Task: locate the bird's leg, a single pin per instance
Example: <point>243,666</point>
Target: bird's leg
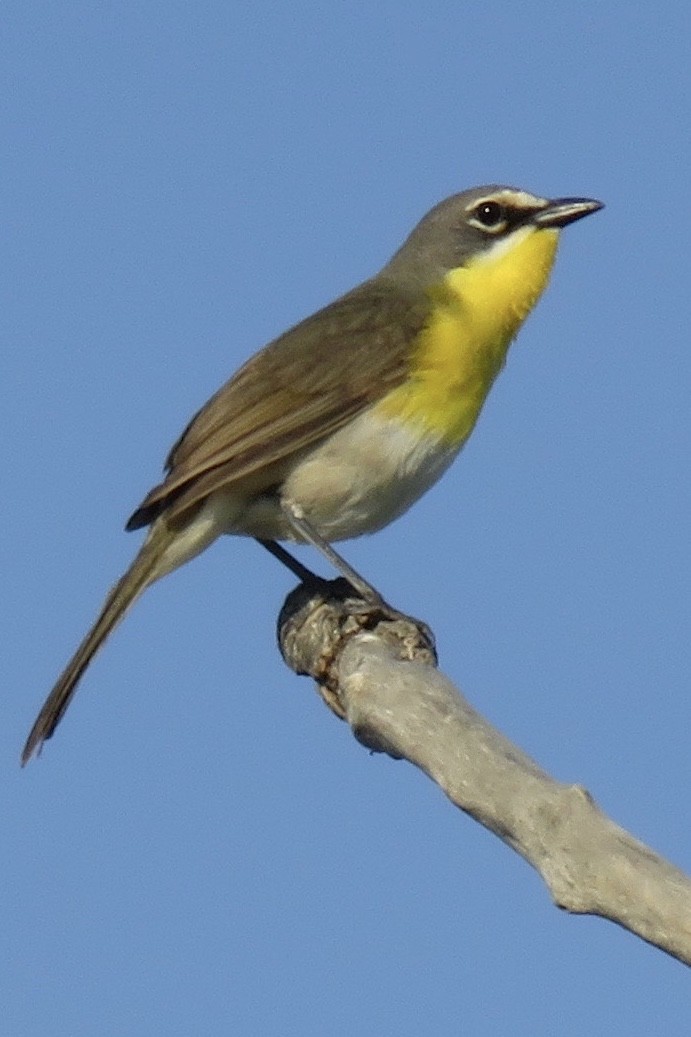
<point>308,533</point>
<point>290,562</point>
<point>374,600</point>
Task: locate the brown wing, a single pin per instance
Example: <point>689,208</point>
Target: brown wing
<point>300,388</point>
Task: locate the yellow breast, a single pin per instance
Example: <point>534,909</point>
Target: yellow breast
<point>477,311</point>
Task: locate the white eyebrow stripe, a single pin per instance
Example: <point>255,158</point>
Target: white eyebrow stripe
<point>521,199</point>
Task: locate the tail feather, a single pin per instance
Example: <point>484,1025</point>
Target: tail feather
<point>145,569</point>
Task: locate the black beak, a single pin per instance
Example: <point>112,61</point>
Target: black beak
<point>562,211</point>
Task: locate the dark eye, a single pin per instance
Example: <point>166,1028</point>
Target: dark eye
<point>489,214</point>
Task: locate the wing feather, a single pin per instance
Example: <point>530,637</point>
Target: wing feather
<point>299,389</point>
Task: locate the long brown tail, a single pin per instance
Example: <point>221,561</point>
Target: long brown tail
<point>144,570</point>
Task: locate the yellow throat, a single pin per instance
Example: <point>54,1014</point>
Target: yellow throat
<point>477,310</point>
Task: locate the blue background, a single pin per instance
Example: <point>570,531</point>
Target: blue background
<point>203,848</point>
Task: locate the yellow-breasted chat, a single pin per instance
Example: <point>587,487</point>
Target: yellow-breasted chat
<point>337,426</point>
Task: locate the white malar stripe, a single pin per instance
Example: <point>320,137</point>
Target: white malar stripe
<point>503,245</point>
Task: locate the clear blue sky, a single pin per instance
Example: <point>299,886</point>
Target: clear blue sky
<point>203,848</point>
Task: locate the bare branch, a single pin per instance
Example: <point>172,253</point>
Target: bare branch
<point>377,671</point>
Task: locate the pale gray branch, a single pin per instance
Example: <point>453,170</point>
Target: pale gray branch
<point>378,673</point>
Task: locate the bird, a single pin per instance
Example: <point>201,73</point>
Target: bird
<point>339,425</point>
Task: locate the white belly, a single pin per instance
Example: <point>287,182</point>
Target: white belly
<point>362,478</point>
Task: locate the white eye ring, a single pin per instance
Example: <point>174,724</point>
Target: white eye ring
<point>489,216</point>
